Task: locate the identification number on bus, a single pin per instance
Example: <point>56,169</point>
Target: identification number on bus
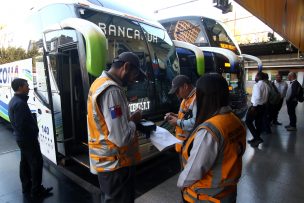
<point>142,105</point>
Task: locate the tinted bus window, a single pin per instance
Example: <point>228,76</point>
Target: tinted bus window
<point>55,39</point>
<point>124,35</point>
<point>187,62</point>
<point>164,63</point>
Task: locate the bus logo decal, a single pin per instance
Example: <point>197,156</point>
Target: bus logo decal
<point>120,31</point>
<point>7,74</point>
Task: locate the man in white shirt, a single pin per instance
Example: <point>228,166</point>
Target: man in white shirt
<point>255,112</point>
<point>282,88</point>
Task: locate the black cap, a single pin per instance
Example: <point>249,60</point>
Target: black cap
<point>128,57</point>
<point>132,59</point>
<point>178,81</point>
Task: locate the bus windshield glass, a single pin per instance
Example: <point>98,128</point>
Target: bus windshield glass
<point>218,36</point>
<point>156,53</point>
<point>200,31</point>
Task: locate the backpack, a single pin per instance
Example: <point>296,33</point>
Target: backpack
<point>274,95</point>
<point>300,96</point>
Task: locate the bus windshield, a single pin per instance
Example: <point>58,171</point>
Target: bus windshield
<point>200,31</point>
<point>157,56</point>
<point>218,36</point>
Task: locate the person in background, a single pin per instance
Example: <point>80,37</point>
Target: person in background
<point>292,101</point>
<point>268,106</point>
<point>282,88</point>
<point>254,116</point>
<point>26,131</point>
<point>185,119</point>
<point>113,143</point>
<point>212,155</point>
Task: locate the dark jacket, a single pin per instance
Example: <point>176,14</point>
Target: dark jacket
<point>23,123</point>
<point>295,85</point>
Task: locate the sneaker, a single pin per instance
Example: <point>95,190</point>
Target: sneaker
<point>256,142</point>
<point>276,123</point>
<point>43,192</point>
<point>291,128</point>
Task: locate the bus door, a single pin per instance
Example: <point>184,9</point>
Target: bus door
<point>73,100</point>
<point>68,93</point>
<point>75,49</point>
<point>45,110</point>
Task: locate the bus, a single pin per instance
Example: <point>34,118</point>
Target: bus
<point>62,47</point>
<point>220,51</point>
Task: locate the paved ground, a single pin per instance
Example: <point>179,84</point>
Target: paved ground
<point>272,173</point>
<point>65,191</point>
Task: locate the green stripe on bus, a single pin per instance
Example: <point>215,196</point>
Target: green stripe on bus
<point>4,116</point>
<point>200,65</point>
<point>96,53</point>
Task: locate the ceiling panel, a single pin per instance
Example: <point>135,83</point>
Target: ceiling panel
<point>286,17</point>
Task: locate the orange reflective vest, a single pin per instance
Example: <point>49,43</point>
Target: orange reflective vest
<point>185,107</point>
<point>221,180</point>
<point>105,155</point>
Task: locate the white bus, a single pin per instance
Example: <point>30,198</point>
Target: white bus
<point>62,47</point>
<point>220,53</point>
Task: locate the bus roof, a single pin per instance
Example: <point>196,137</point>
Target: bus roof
<point>185,17</point>
<point>109,6</point>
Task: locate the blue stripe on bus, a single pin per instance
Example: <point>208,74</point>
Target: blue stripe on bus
<point>3,110</point>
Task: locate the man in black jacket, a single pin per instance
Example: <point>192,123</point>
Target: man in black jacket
<point>26,133</point>
<point>292,100</point>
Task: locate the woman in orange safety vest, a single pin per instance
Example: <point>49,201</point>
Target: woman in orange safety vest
<point>212,155</point>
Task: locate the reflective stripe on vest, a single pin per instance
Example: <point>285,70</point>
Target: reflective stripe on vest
<point>186,105</point>
<point>105,155</point>
<point>220,181</point>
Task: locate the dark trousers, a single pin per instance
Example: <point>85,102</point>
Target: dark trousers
<point>254,120</point>
<point>291,109</point>
<point>31,164</point>
<point>117,186</point>
<point>266,118</point>
<point>276,109</point>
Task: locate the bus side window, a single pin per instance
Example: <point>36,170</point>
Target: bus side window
<point>187,62</point>
<point>41,85</point>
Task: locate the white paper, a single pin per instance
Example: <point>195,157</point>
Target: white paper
<point>162,138</point>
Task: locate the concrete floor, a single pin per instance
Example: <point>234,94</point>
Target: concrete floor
<point>65,190</point>
<point>272,173</point>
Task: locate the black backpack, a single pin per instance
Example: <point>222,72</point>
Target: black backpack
<point>300,96</point>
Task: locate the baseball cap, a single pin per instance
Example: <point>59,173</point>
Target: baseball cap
<point>178,81</point>
<point>132,59</point>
